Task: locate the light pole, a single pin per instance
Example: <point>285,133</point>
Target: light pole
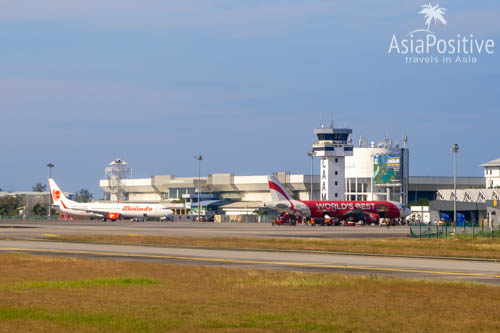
<point>311,154</point>
<point>454,151</point>
<point>50,166</point>
<point>199,158</point>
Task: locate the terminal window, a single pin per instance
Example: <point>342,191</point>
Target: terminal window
<point>172,193</point>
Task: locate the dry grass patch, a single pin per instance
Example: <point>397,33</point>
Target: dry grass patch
<point>195,298</point>
<point>453,247</point>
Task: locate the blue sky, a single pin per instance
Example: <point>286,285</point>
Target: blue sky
<point>241,82</point>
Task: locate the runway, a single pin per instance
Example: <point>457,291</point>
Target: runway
<point>33,229</point>
<point>25,236</point>
<point>443,269</point>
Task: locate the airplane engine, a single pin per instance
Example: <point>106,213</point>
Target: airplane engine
<point>113,216</point>
<point>372,218</point>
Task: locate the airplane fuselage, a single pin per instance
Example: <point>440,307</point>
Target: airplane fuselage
<point>118,209</point>
<point>338,209</point>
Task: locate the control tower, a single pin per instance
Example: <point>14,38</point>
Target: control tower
<point>332,146</point>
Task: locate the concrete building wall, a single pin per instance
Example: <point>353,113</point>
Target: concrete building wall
<point>144,197</point>
<point>359,173</point>
<point>246,188</point>
<point>472,210</point>
<point>492,175</point>
<point>255,188</point>
<point>360,164</point>
<point>256,196</point>
<point>332,181</point>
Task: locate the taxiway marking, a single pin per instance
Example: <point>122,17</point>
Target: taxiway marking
<point>223,260</point>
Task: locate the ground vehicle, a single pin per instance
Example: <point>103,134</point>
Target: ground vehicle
<point>286,219</point>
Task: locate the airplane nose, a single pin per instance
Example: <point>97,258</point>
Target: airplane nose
<point>405,212</point>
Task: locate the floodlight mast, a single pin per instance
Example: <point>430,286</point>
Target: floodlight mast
<point>199,158</point>
<point>50,166</point>
<point>454,151</point>
<point>311,154</point>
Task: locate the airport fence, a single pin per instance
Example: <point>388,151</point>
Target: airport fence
<point>34,218</point>
<point>470,230</point>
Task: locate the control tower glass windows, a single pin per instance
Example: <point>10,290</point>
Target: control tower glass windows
<point>333,137</point>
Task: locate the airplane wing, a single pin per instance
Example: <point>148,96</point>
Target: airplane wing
<point>91,211</point>
<point>82,210</point>
<point>361,215</point>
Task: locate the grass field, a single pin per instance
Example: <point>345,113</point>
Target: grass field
<point>456,247</point>
<point>52,294</point>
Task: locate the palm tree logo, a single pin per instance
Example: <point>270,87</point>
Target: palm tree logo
<point>432,13</point>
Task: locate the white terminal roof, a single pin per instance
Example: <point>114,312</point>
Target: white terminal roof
<point>492,163</point>
<point>25,193</point>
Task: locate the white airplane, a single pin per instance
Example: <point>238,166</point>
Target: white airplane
<point>107,211</point>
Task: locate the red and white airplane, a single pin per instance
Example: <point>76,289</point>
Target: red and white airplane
<point>367,211</point>
<point>107,211</point>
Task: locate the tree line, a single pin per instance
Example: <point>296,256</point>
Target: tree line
<point>11,204</point>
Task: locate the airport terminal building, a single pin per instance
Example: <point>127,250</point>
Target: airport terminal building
<point>169,188</point>
<point>375,171</point>
<point>476,202</point>
<point>378,171</point>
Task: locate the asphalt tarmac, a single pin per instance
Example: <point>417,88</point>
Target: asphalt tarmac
<point>32,229</point>
<point>444,269</point>
<point>25,237</point>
